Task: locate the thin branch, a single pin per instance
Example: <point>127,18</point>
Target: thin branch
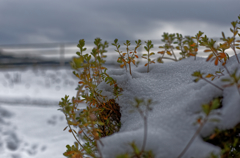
<point>212,84</point>
<point>192,139</point>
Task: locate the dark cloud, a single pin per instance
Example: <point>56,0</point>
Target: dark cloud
<point>28,21</point>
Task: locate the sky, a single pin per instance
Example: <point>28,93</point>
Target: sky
<point>27,21</point>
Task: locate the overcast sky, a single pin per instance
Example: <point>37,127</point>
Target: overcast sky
<point>50,21</point>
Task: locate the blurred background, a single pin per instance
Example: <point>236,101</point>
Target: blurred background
<point>39,38</point>
<point>47,32</point>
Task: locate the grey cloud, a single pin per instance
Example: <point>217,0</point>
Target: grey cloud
<point>68,21</point>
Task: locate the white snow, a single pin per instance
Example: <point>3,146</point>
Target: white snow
<point>30,124</point>
<point>170,123</point>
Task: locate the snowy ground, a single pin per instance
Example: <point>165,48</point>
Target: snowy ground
<point>34,127</point>
<point>30,124</point>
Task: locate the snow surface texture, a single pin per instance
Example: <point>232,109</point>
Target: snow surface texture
<point>30,124</point>
<point>36,86</point>
<point>32,132</point>
<point>170,123</point>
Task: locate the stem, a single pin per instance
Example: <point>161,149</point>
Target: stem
<point>227,70</point>
<point>212,84</point>
<point>129,62</point>
<point>86,135</point>
<point>121,57</point>
<point>99,152</point>
<point>195,51</point>
<point>173,54</point>
<point>145,133</point>
<point>215,53</point>
<point>73,133</point>
<point>96,138</point>
<point>192,139</point>
<point>235,52</point>
<point>148,61</point>
<point>238,90</point>
<point>145,129</point>
<point>233,47</point>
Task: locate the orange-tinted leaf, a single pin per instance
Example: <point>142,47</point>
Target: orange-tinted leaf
<point>152,61</point>
<point>216,61</point>
<point>169,53</point>
<point>194,44</point>
<point>130,52</point>
<point>136,56</point>
<point>207,50</point>
<point>222,55</point>
<point>69,130</point>
<point>69,153</point>
<point>124,54</point>
<point>209,75</point>
<point>80,82</point>
<point>191,54</point>
<point>78,101</point>
<point>199,120</point>
<point>213,136</point>
<point>146,64</point>
<point>161,52</point>
<point>209,57</point>
<point>196,49</point>
<point>122,65</point>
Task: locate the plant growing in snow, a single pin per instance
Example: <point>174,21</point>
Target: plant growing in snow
<point>93,122</point>
<point>148,46</point>
<point>207,109</point>
<point>130,55</point>
<point>144,114</point>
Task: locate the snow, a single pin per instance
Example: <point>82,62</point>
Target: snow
<point>170,124</point>
<point>30,124</point>
<point>36,131</point>
<point>36,86</point>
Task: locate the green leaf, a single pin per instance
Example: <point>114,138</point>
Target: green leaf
<point>215,104</point>
<point>205,108</point>
<point>123,156</point>
<point>145,48</point>
<point>152,53</point>
<point>135,148</point>
<point>196,80</point>
<point>196,74</point>
<point>226,80</point>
